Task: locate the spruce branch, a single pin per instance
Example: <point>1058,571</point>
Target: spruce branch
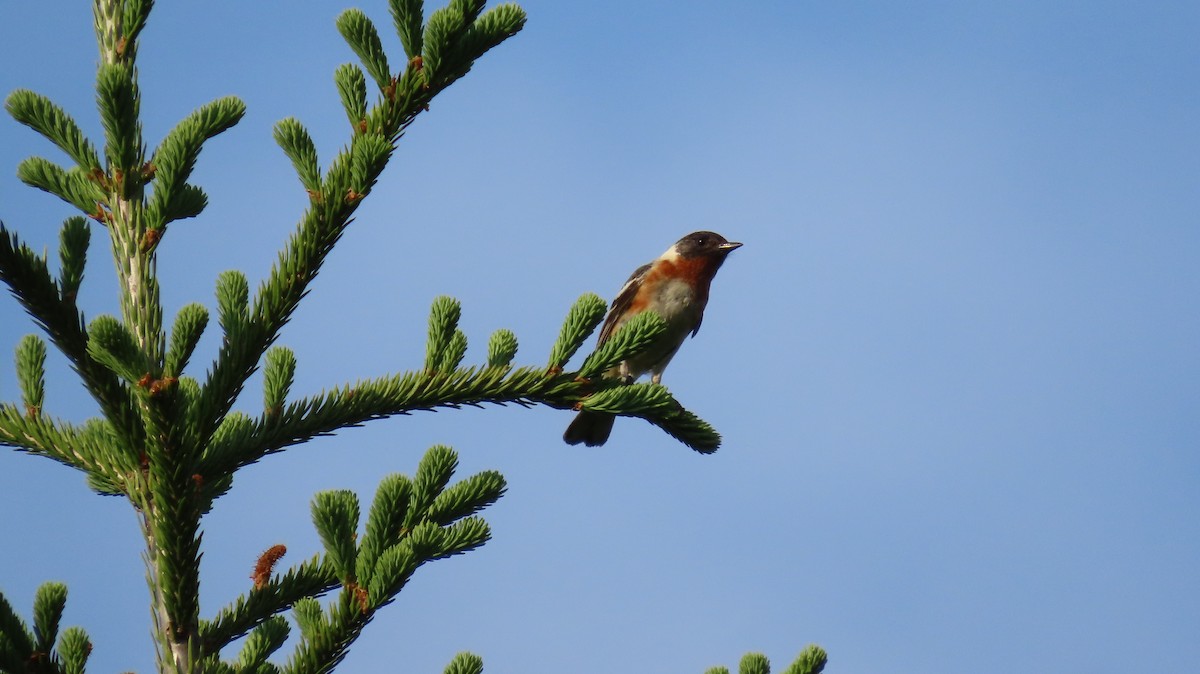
<point>433,474</point>
<point>73,650</point>
<point>350,177</point>
<point>632,399</point>
<point>74,186</point>
<point>469,9</point>
<point>185,334</point>
<point>335,516</point>
<point>811,660</point>
<point>31,373</point>
<point>297,144</point>
<point>89,448</point>
<point>176,156</point>
<point>454,61</point>
<point>119,99</point>
<point>53,123</point>
<point>74,239</point>
<point>502,348</point>
<point>172,445</point>
<point>443,324</point>
<point>277,379</point>
<point>326,634</point>
<point>352,89</point>
<point>467,497</point>
<point>433,387</point>
<point>18,641</point>
<point>22,650</point>
<point>465,663</point>
<point>445,26</point>
<point>629,339</point>
<point>48,606</point>
<point>264,640</point>
<point>313,578</point>
<point>30,282</point>
<point>582,319</point>
<point>454,353</point>
<point>233,297</point>
<point>111,345</point>
<point>360,33</point>
<point>754,663</point>
<point>385,521</point>
<point>408,17</point>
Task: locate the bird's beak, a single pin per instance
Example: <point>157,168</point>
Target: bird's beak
<point>730,245</point>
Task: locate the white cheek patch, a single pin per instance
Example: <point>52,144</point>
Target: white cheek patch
<point>672,255</point>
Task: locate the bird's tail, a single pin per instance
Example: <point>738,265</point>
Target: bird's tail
<point>590,428</point>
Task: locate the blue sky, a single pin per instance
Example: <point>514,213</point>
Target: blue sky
<point>955,364</point>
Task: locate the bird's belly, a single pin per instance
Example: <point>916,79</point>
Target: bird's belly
<point>676,303</point>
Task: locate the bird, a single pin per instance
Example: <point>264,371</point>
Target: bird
<point>676,287</point>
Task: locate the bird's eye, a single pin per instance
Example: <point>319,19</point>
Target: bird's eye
<point>700,240</point>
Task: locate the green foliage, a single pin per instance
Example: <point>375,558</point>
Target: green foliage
<point>754,663</point>
<point>172,443</point>
<point>117,94</point>
<point>74,239</point>
<point>810,661</point>
<point>502,348</point>
<point>72,186</point>
<point>297,144</point>
<point>360,34</point>
<point>582,319</point>
<point>443,324</point>
<point>352,88</point>
<point>185,334</point>
<point>111,345</point>
<point>637,399</point>
<point>385,521</point>
<point>48,606</point>
<point>233,297</point>
<point>53,123</point>
<point>465,663</point>
<point>630,339</point>
<point>335,514</point>
<point>31,372</point>
<point>23,651</point>
<point>408,17</point>
<point>73,650</point>
<point>267,638</point>
<point>277,378</point>
<point>176,156</point>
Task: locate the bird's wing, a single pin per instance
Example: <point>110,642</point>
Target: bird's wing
<point>621,304</point>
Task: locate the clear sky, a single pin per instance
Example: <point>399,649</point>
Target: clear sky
<point>956,364</point>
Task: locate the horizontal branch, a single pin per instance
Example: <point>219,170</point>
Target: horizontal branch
<point>78,448</point>
<point>30,282</point>
<point>414,391</point>
<point>313,578</point>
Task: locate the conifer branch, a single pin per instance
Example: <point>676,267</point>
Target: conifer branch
<point>404,393</point>
<point>465,663</point>
<point>74,186</point>
<point>298,145</point>
<point>172,445</point>
<point>25,650</point>
<point>359,32</point>
<point>30,282</point>
<point>349,178</point>
<point>74,239</point>
<point>53,123</point>
<point>88,448</point>
<point>313,578</point>
<point>811,660</point>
